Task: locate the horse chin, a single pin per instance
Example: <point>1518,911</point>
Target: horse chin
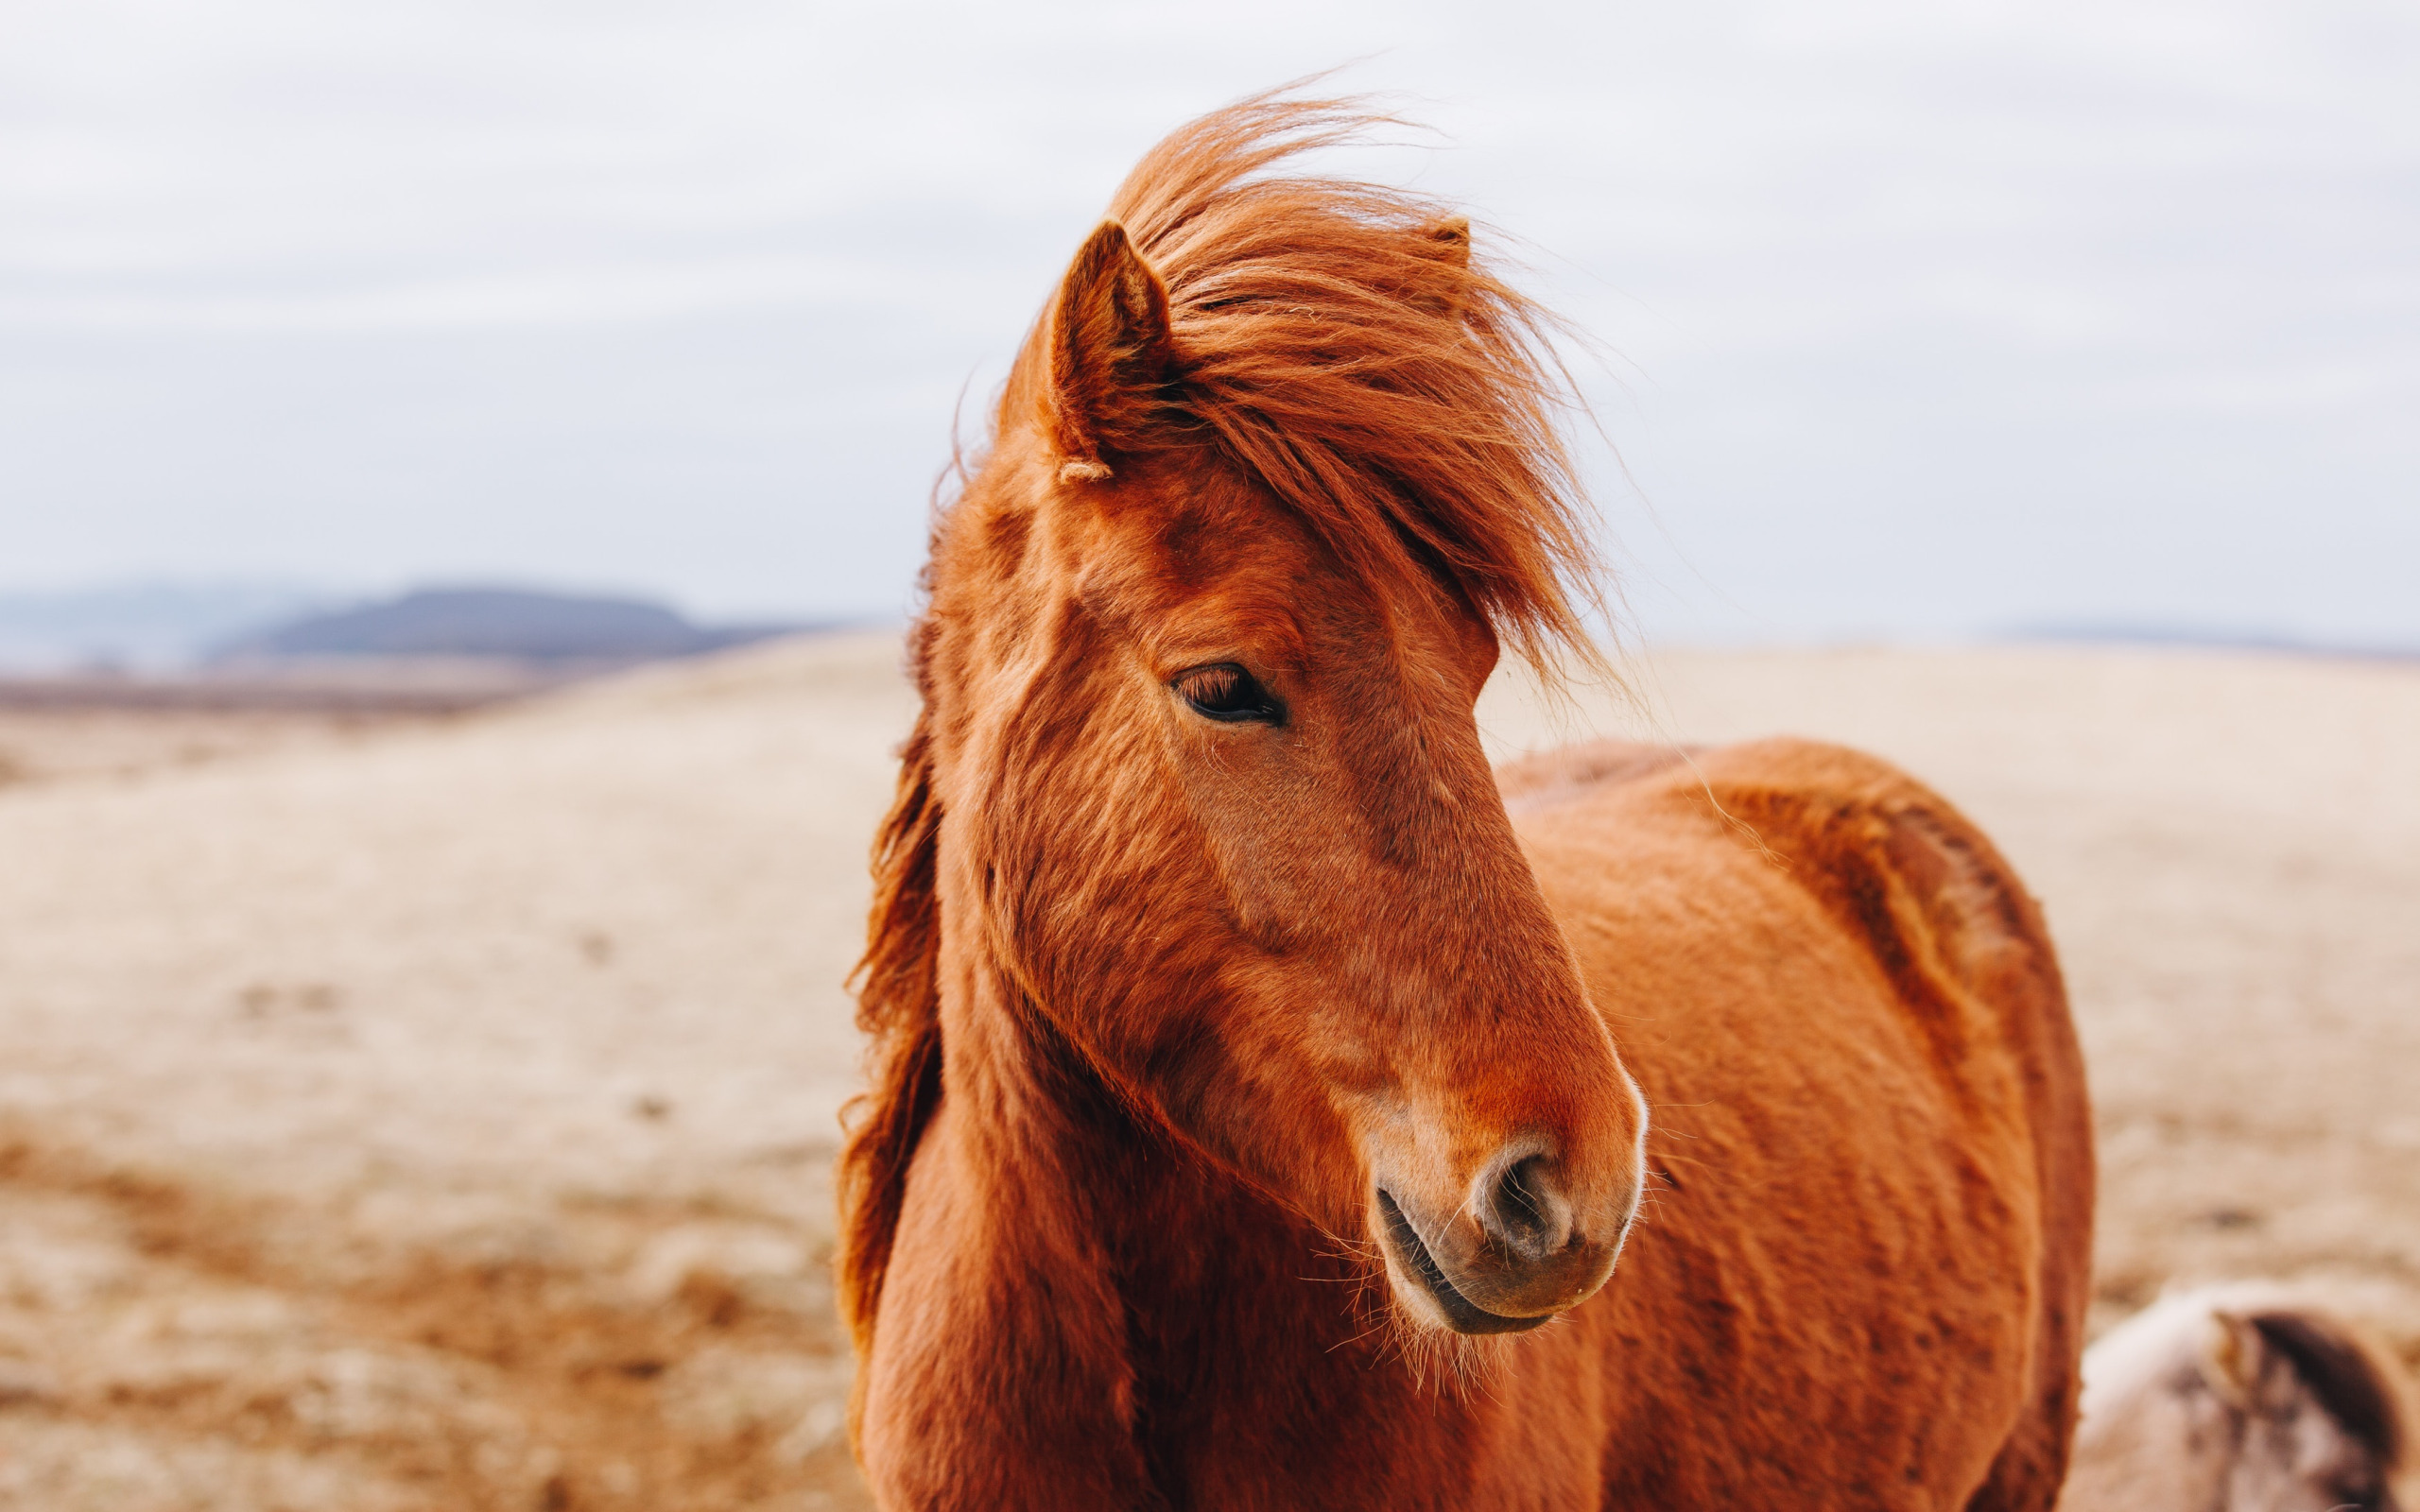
<point>1427,1292</point>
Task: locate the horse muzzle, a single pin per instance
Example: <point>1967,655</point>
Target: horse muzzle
<point>1516,1252</point>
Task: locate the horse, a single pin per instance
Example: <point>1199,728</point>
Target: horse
<point>1247,1125</point>
<point>2245,1396</point>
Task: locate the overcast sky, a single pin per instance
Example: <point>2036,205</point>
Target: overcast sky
<point>1925,318</point>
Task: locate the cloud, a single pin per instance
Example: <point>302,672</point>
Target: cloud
<point>1844,254</point>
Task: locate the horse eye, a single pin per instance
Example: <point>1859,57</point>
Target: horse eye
<point>1226,692</point>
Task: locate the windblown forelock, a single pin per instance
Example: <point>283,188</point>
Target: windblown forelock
<point>1404,403</point>
<point>1335,347</point>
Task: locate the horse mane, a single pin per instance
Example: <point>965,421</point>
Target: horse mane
<point>1334,340</point>
<point>899,1011</point>
<point>1338,342</point>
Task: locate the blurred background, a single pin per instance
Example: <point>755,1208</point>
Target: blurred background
<point>1916,320</point>
<point>462,474</point>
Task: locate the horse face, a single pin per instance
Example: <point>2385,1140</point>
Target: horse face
<point>1380,963</point>
<point>1225,802</point>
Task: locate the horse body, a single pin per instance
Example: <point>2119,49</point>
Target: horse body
<point>1259,1105</point>
<point>1862,1283</point>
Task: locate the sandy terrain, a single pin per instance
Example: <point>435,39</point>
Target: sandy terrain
<point>437,1116</point>
<point>40,744</point>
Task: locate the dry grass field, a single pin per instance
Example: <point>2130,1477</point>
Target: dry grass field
<point>437,1114</point>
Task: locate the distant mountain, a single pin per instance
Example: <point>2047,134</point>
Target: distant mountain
<point>505,623</point>
<point>137,626</point>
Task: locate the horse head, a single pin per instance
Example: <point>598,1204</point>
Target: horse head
<point>1206,628</point>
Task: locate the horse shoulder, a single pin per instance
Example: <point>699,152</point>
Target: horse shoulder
<point>1947,920</point>
<point>1786,925</point>
<point>1925,892</point>
<point>1910,879</point>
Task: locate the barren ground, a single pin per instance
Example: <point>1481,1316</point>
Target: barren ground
<point>437,1114</point>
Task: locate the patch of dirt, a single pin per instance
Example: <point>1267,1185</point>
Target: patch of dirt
<point>167,1344</point>
<point>43,745</point>
<point>440,1115</point>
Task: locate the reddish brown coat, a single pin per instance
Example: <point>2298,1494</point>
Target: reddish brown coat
<point>1258,1105</point>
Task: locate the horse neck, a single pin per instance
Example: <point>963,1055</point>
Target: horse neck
<point>1086,1312</point>
<point>1217,1288</point>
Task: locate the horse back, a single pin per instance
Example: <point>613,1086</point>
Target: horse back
<point>1872,1138</point>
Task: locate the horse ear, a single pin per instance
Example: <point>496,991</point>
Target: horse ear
<point>1111,356</point>
<point>2230,1357</point>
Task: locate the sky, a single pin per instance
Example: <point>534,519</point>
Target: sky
<point>1908,320</point>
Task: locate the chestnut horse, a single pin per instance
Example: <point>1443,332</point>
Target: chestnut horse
<point>1248,1128</point>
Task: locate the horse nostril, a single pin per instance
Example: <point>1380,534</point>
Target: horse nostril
<point>1524,1209</point>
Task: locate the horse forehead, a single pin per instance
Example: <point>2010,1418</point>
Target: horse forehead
<point>1210,570</point>
<point>1185,533</point>
<point>1204,555</point>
